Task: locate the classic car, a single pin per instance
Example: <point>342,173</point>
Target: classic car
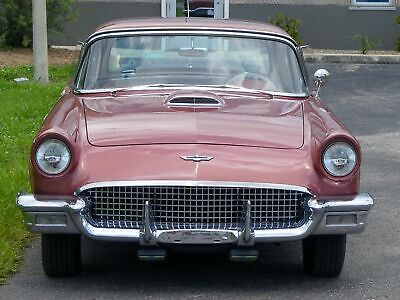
<point>199,8</point>
<point>196,132</point>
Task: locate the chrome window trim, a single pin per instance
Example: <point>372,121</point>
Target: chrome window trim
<point>82,61</point>
<point>190,88</point>
<point>187,30</point>
<point>190,183</point>
<point>190,30</point>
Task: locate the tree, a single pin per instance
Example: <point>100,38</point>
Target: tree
<point>16,20</point>
<point>289,24</point>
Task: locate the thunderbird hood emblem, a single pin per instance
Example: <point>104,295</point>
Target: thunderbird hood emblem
<point>196,158</point>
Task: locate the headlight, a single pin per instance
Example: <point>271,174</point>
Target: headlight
<point>53,156</point>
<point>339,159</point>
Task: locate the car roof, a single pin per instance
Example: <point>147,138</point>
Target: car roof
<point>190,23</point>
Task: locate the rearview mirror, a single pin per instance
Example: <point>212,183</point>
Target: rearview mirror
<point>193,52</point>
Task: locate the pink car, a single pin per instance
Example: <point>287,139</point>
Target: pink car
<point>194,132</point>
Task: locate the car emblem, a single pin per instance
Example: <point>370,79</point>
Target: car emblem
<point>197,158</point>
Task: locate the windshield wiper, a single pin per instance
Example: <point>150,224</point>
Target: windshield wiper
<point>128,89</point>
<point>141,87</point>
<point>238,88</point>
<point>166,85</point>
<point>115,92</point>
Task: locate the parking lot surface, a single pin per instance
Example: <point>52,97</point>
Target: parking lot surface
<point>367,99</point>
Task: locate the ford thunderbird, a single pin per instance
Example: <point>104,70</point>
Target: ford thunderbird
<point>197,132</point>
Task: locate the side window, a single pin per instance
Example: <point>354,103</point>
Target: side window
<point>372,4</point>
<point>92,73</point>
<point>82,71</point>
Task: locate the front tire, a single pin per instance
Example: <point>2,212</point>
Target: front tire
<point>61,254</point>
<point>324,255</point>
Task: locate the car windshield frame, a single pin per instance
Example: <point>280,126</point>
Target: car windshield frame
<point>82,65</point>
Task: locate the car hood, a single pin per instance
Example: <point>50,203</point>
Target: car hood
<point>243,120</point>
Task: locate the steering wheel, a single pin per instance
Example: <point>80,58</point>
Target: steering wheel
<point>252,81</point>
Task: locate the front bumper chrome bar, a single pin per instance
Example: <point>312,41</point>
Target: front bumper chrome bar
<point>333,217</point>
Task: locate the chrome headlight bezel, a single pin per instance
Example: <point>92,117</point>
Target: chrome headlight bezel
<point>52,156</point>
<point>339,159</point>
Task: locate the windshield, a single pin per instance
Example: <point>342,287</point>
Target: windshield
<point>192,60</point>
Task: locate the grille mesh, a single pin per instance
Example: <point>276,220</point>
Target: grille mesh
<point>195,207</point>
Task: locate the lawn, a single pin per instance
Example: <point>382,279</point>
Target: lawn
<point>22,109</point>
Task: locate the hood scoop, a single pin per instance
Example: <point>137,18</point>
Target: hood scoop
<point>194,100</point>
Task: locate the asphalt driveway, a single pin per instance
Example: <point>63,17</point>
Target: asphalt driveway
<point>367,99</point>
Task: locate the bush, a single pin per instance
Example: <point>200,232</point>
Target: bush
<point>366,44</point>
<point>398,38</point>
<point>16,20</point>
<point>290,25</point>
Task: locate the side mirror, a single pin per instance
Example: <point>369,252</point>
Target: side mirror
<point>321,77</point>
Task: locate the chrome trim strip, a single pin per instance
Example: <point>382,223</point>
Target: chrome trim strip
<point>28,203</point>
<point>193,183</point>
<point>188,30</point>
<point>361,202</point>
<point>293,234</point>
<point>108,234</point>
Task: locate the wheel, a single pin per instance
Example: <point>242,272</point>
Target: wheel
<point>324,255</point>
<point>61,254</point>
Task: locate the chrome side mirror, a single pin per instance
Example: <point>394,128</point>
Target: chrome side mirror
<point>321,77</point>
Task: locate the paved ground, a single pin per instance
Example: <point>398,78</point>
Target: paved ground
<point>367,99</point>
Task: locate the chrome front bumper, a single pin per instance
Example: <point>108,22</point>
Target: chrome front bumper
<point>333,217</point>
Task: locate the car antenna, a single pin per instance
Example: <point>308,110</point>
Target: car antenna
<point>188,8</point>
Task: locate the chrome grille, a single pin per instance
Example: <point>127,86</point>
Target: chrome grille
<point>195,207</point>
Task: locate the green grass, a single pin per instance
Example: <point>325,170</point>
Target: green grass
<point>179,11</point>
<point>22,108</point>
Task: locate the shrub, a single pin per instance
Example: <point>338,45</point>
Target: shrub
<point>16,20</point>
<point>289,24</point>
<point>398,38</point>
<point>366,44</point>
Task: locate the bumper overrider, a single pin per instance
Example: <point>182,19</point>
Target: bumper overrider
<point>337,216</point>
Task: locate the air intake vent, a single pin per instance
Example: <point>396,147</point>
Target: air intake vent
<point>195,99</point>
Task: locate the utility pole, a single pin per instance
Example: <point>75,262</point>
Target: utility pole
<point>40,58</point>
